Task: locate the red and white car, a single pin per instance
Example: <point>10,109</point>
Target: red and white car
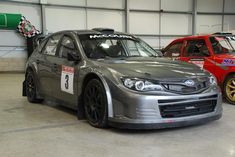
<point>214,52</point>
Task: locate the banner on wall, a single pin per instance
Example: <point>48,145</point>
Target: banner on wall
<point>26,28</point>
<point>18,22</point>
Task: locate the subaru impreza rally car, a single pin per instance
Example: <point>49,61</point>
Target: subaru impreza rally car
<point>116,79</point>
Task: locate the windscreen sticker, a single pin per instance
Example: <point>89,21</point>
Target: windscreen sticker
<point>199,63</point>
<point>110,36</point>
<point>67,76</point>
<point>219,38</point>
<point>230,37</point>
<point>228,62</point>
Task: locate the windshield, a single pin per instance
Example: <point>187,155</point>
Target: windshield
<point>222,44</point>
<point>115,46</point>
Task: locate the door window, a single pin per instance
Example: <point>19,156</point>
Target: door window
<point>67,46</point>
<point>221,45</point>
<point>51,46</point>
<point>196,48</point>
<point>174,50</point>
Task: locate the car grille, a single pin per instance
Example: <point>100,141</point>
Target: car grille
<point>187,109</point>
<point>179,87</point>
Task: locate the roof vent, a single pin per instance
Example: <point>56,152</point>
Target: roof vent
<point>104,30</point>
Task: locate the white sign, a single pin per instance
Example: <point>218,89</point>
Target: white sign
<point>198,63</point>
<point>67,76</point>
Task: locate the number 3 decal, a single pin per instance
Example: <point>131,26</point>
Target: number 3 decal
<point>66,85</point>
<point>67,76</point>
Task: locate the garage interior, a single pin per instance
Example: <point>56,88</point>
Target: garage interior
<point>51,130</point>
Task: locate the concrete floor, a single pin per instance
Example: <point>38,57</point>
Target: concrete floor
<point>36,130</point>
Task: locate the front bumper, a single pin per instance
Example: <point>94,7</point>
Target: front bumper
<point>131,110</point>
<point>164,125</point>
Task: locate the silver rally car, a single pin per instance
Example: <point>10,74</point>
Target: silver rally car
<point>116,79</point>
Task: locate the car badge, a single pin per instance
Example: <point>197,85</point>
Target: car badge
<point>190,107</point>
<point>189,83</point>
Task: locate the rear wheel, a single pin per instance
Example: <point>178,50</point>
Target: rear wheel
<point>95,104</point>
<point>229,89</point>
<point>31,88</point>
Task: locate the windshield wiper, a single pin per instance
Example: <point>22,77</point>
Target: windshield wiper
<point>135,56</point>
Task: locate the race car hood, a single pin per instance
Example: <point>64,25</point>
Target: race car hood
<point>152,68</point>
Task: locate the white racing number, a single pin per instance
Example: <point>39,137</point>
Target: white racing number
<point>67,76</point>
<point>199,63</point>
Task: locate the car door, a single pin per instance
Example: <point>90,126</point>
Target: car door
<point>196,51</point>
<point>46,65</point>
<point>67,72</point>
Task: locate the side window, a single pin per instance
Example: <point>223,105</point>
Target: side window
<point>173,50</point>
<point>67,46</point>
<point>51,46</point>
<point>196,48</point>
<point>41,45</point>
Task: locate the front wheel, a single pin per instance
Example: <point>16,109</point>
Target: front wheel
<point>95,104</point>
<point>229,89</point>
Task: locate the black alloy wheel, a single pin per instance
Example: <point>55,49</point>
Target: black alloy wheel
<point>95,104</point>
<point>31,89</point>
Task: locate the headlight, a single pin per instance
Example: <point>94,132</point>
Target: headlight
<point>213,80</point>
<point>140,84</point>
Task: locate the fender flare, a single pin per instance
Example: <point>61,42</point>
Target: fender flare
<point>107,91</point>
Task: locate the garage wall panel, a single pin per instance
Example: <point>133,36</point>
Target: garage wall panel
<point>11,38</point>
<point>145,4</point>
<point>210,5</point>
<point>166,40</point>
<point>13,51</point>
<point>209,23</point>
<point>68,2</point>
<point>229,23</point>
<point>63,18</point>
<point>120,4</point>
<point>176,24</point>
<point>28,1</point>
<point>181,5</point>
<point>107,19</point>
<point>152,41</point>
<point>144,23</point>
<point>31,12</point>
<point>229,6</point>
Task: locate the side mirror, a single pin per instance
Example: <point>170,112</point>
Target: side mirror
<point>73,57</point>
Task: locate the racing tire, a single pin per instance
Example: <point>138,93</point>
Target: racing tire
<point>31,88</point>
<point>229,89</point>
<point>95,104</point>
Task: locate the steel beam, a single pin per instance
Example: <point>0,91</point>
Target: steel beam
<point>160,11</point>
<point>223,16</point>
<point>20,2</point>
<point>214,13</point>
<point>194,18</point>
<point>162,35</point>
<point>43,19</point>
<point>127,15</point>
